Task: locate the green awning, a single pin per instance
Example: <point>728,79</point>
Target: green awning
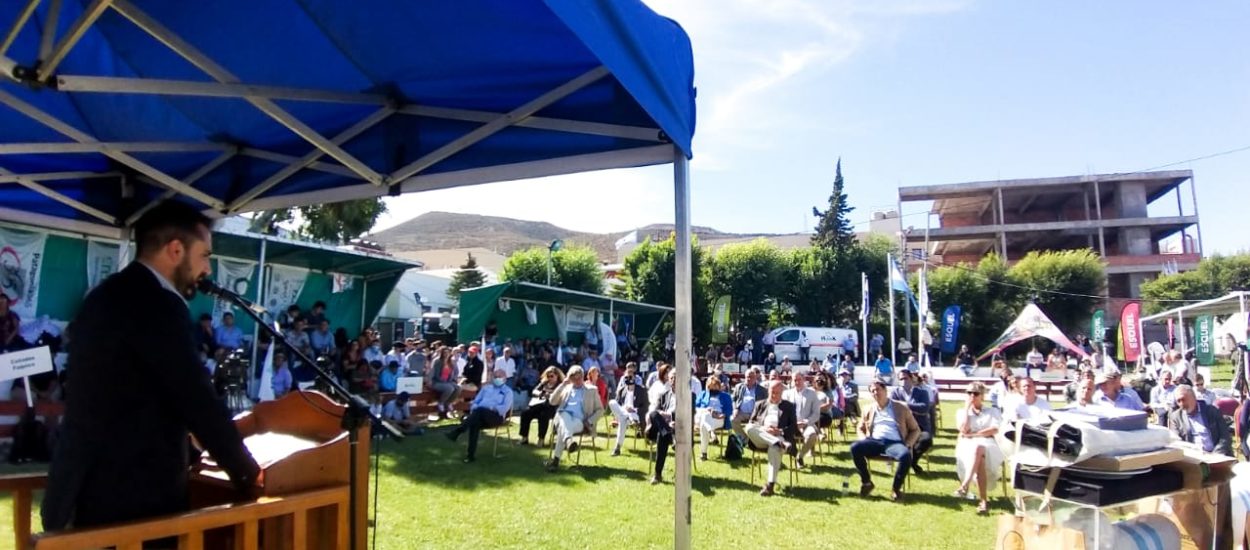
<point>480,306</point>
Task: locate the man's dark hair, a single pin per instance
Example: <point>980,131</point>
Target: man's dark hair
<point>319,304</point>
<point>227,314</point>
<point>166,222</point>
<point>206,317</point>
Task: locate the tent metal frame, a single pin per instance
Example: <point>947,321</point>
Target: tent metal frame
<point>409,178</point>
<point>42,72</point>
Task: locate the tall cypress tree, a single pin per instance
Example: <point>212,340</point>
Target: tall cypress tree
<point>469,276</point>
<point>833,226</point>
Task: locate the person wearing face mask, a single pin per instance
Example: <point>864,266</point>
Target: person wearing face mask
<point>712,412</point>
<point>539,409</point>
<point>626,407</point>
<point>489,409</point>
<point>374,352</point>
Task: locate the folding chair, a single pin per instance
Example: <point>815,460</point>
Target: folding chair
<point>577,455</point>
<point>755,463</point>
<point>507,427</point>
<point>893,468</point>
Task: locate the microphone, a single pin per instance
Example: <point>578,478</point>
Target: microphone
<point>209,288</point>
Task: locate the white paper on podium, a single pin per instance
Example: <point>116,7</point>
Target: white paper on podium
<point>412,384</point>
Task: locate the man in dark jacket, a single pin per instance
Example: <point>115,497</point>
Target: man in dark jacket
<point>1194,421</point>
<point>773,426</point>
<point>139,387</point>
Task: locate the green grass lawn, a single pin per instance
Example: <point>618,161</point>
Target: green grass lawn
<point>429,499</point>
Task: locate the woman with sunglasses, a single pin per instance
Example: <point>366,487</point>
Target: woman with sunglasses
<point>977,455</point>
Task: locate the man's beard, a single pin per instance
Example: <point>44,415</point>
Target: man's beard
<point>185,279</point>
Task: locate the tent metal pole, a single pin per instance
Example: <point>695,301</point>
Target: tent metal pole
<point>889,261</point>
<point>364,300</point>
<point>50,20</point>
<point>89,16</point>
<point>260,298</point>
<point>18,23</point>
<point>58,197</point>
<point>194,177</point>
<point>683,315</point>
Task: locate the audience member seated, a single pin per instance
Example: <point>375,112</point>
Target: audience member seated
<point>282,380</point>
<point>398,355</point>
<point>396,412</point>
<point>712,409</point>
<point>1030,406</point>
<point>627,407</point>
<point>745,395</point>
<point>887,428</point>
<point>1202,392</point>
<point>205,336</point>
<point>315,317</point>
<point>850,392</point>
<point>662,406</point>
<point>577,409</point>
<point>831,401</point>
<point>388,379</point>
<point>489,409</point>
<point>917,400</point>
<point>885,369</point>
<point>966,361</point>
<point>977,455</point>
<point>416,359</point>
<point>506,362</point>
<point>321,340</point>
<point>595,379</point>
<point>1161,398</point>
<point>286,321</point>
<point>540,408</point>
<point>473,370</point>
<point>227,335</point>
<point>773,426</point>
<point>1111,392</point>
<point>807,413</point>
<point>1088,391</point>
<point>1001,392</point>
<point>372,348</point>
<point>443,375</point>
<point>1072,391</point>
<point>1196,422</point>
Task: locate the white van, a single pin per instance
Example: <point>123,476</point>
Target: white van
<point>824,341</point>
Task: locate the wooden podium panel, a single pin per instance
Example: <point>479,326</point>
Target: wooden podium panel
<point>300,445</point>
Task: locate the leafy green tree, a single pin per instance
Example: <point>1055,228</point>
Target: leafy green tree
<point>336,222</point>
<point>469,276</point>
<point>1214,277</point>
<point>572,267</point>
<point>833,226</point>
<point>1063,284</point>
<point>648,277</point>
<point>753,276</point>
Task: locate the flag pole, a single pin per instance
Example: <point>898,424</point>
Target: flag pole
<point>863,346</point>
<point>889,260</point>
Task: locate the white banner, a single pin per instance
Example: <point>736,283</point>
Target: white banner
<point>102,261</point>
<point>414,385</point>
<point>285,284</point>
<point>580,319</point>
<point>236,276</point>
<point>342,282</point>
<point>21,256</point>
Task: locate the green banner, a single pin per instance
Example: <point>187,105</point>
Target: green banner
<point>1204,340</point>
<point>1119,342</point>
<point>720,320</point>
<point>1097,326</point>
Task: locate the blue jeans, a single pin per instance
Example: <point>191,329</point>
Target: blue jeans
<point>968,369</point>
<point>863,449</point>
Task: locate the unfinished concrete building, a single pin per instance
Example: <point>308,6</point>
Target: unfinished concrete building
<point>1142,224</point>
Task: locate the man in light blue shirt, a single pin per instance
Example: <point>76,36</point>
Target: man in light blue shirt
<point>321,339</point>
<point>885,369</point>
<point>490,408</point>
<point>227,335</point>
<point>1111,392</point>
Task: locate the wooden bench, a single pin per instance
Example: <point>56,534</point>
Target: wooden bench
<point>426,402</point>
<point>954,388</point>
<point>49,411</point>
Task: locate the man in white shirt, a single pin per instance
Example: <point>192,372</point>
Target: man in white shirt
<point>1161,396</point>
<point>805,347</point>
<point>1034,360</point>
<point>1202,392</point>
<point>1029,406</point>
<point>397,354</point>
<point>769,341</point>
<point>396,412</point>
<point>807,413</point>
<point>507,364</point>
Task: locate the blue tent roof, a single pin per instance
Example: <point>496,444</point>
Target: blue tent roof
<point>240,105</point>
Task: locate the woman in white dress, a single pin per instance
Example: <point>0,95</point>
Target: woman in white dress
<point>977,455</point>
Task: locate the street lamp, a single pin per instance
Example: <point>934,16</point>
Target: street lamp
<point>551,249</point>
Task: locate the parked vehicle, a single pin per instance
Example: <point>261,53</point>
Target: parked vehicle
<point>824,341</point>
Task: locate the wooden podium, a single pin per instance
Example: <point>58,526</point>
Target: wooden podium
<point>300,445</point>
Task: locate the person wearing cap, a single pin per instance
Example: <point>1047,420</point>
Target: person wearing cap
<point>886,429</point>
<point>850,392</point>
<point>490,408</point>
<point>1196,422</point>
<point>396,412</point>
<point>473,369</point>
<point>745,395</point>
<point>577,409</point>
<point>1111,392</point>
<point>977,455</point>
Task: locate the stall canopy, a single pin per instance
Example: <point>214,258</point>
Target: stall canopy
<point>528,310</point>
<point>107,106</point>
<point>1032,322</point>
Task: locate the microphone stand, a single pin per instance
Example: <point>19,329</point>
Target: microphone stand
<point>357,411</point>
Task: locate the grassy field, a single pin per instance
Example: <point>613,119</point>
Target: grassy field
<point>430,499</point>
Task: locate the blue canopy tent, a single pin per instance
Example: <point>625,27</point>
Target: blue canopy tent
<point>108,106</point>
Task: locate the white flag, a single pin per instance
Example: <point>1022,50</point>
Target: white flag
<point>285,285</point>
<point>629,238</point>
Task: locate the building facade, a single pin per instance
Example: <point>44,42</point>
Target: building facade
<point>1141,224</point>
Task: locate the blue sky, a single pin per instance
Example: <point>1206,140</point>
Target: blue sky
<point>923,92</point>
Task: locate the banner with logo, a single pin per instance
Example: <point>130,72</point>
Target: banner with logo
<point>720,320</point>
<point>285,284</point>
<point>1098,326</point>
<point>236,276</point>
<point>102,261</point>
<point>342,282</point>
<point>21,257</point>
<point>950,329</point>
<point>580,320</point>
<point>1129,318</point>
<point>1204,340</point>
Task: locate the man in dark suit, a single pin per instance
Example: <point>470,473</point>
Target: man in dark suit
<point>139,387</point>
<point>773,426</point>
